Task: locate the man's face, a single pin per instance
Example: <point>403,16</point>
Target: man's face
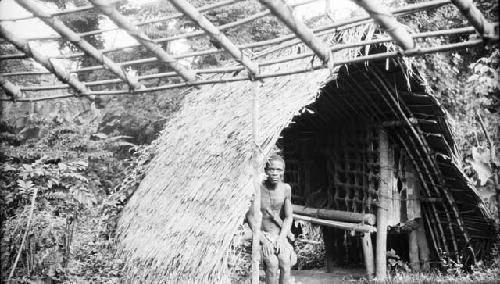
<point>274,171</point>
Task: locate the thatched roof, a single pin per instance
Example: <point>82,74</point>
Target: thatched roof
<point>180,222</point>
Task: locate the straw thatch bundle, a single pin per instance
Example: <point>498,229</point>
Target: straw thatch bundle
<point>180,222</point>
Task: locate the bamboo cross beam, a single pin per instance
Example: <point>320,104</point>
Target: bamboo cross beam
<point>475,17</point>
<point>191,12</point>
<point>24,46</point>
<point>13,56</point>
<point>157,50</point>
<point>75,39</point>
<point>10,88</point>
<point>281,10</point>
<point>383,16</point>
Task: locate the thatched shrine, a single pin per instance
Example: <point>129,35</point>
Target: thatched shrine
<point>368,148</point>
<point>368,141</point>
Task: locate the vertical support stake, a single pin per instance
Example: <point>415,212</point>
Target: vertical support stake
<point>382,211</point>
<point>256,204</point>
<point>368,254</point>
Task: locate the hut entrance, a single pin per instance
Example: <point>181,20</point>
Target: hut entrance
<point>341,174</point>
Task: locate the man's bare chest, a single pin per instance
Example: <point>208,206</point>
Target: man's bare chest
<point>272,198</point>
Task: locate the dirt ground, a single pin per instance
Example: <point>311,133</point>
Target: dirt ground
<point>319,276</point>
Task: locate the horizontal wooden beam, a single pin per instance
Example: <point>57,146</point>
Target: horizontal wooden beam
<point>141,37</point>
<point>75,39</point>
<point>191,12</point>
<point>358,227</point>
<point>383,16</point>
<point>359,59</point>
<point>281,10</point>
<point>334,215</point>
<point>24,46</point>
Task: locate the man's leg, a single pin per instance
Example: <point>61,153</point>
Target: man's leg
<point>271,269</point>
<point>285,266</point>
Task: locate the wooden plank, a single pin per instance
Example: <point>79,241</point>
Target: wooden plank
<point>334,215</point>
<point>191,12</point>
<point>358,227</point>
<point>281,10</point>
<point>124,23</point>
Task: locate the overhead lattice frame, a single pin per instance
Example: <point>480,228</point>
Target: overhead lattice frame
<point>126,83</point>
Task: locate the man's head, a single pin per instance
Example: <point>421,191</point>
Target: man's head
<point>275,168</point>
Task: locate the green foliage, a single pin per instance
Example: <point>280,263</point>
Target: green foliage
<point>67,165</point>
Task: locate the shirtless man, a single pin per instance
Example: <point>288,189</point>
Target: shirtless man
<point>276,207</point>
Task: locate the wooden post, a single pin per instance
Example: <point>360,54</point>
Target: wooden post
<point>413,251</point>
<point>368,254</point>
<point>256,204</point>
<point>423,247</point>
<point>382,211</point>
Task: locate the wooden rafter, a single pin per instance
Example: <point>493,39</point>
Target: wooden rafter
<point>191,12</point>
<point>142,38</point>
<point>281,10</point>
<point>383,16</point>
<point>74,38</point>
<point>24,46</point>
<point>475,17</point>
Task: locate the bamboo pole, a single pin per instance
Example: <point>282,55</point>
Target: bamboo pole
<point>281,10</point>
<point>74,38</point>
<point>11,90</point>
<point>13,56</point>
<point>166,18</point>
<point>383,209</point>
<point>286,58</point>
<point>256,182</point>
<point>191,12</point>
<point>138,35</point>
<point>367,58</point>
<point>382,15</point>
<point>475,17</point>
<point>408,9</point>
<point>334,215</point>
<point>368,255</point>
<point>44,60</point>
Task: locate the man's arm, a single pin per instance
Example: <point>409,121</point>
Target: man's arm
<point>252,223</point>
<point>288,213</point>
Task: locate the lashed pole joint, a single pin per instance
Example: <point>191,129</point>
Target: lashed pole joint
<point>10,88</point>
<point>382,16</point>
<point>281,10</point>
<point>24,46</point>
<point>476,18</point>
<point>74,38</point>
<point>109,10</point>
<point>191,12</point>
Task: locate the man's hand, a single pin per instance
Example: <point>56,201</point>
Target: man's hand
<point>279,245</point>
<point>267,248</point>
